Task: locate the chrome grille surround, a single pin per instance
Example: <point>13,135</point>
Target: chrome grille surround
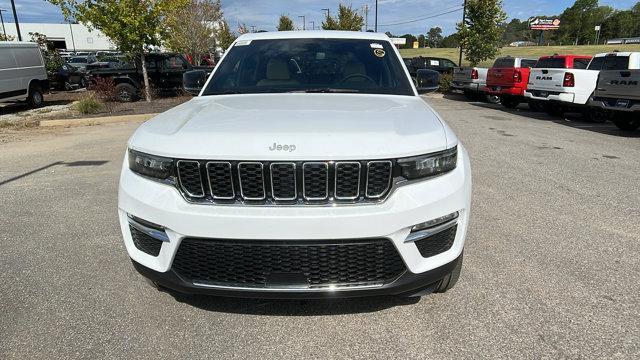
<point>274,183</point>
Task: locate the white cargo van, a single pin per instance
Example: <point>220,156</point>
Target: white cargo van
<point>23,76</point>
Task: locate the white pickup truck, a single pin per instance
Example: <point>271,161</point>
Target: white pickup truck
<point>618,95</point>
<point>470,81</point>
<point>571,89</point>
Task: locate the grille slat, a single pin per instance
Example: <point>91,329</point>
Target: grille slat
<point>315,180</point>
<point>378,178</point>
<point>347,184</point>
<point>297,183</point>
<point>283,181</point>
<point>318,263</point>
<point>251,176</point>
<point>220,180</point>
<point>190,178</point>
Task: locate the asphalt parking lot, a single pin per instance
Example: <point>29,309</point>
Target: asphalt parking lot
<point>551,263</point>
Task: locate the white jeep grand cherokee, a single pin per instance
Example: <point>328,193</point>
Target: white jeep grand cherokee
<point>308,166</point>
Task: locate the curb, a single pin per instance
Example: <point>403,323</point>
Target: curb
<point>96,120</point>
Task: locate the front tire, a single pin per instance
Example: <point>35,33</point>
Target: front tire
<point>126,93</point>
<point>450,280</point>
<point>35,97</point>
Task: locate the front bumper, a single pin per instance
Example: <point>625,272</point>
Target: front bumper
<point>392,219</point>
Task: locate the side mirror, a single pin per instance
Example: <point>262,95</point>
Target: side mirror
<point>194,80</point>
<point>427,80</point>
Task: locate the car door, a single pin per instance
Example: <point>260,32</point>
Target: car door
<point>173,67</point>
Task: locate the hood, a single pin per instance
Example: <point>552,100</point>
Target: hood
<point>294,126</point>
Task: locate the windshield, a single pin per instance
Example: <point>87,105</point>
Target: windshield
<point>310,65</point>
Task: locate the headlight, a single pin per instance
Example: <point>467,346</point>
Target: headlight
<point>150,165</point>
<point>429,165</point>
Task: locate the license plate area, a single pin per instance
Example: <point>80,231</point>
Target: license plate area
<point>622,103</point>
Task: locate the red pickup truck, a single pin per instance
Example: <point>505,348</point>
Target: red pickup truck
<point>508,79</point>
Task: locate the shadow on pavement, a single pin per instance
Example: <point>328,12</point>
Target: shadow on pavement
<point>276,307</point>
<point>70,164</point>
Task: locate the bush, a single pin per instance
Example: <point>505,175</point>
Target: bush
<point>89,104</point>
<point>104,88</point>
<point>446,83</point>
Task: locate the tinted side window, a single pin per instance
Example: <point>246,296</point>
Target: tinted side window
<point>26,57</point>
<point>580,63</point>
<point>174,62</point>
<point>7,61</point>
<point>504,63</point>
<point>609,63</point>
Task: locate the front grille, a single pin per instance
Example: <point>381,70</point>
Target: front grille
<point>276,263</point>
<point>437,243</point>
<point>314,182</point>
<point>144,242</point>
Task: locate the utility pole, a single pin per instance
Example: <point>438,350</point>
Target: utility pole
<point>253,28</point>
<point>313,25</point>
<point>365,9</point>
<point>2,20</point>
<point>73,41</point>
<point>376,26</point>
<point>328,12</point>
<point>15,19</point>
<point>304,22</point>
<point>464,18</point>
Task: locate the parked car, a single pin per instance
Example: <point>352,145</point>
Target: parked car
<point>308,167</point>
<point>549,75</point>
<point>80,61</point>
<point>441,65</point>
<point>571,89</point>
<point>508,78</point>
<point>110,62</point>
<point>23,76</point>
<point>165,72</point>
<point>471,82</point>
<point>67,77</point>
<point>618,91</point>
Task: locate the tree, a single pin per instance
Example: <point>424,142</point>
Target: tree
<point>225,36</point>
<point>52,59</point>
<point>422,41</point>
<point>348,19</point>
<point>193,29</point>
<point>285,23</point>
<point>134,26</point>
<point>410,40</point>
<point>450,41</point>
<point>480,35</point>
<point>434,37</point>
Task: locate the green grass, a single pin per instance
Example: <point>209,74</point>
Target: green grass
<point>527,51</point>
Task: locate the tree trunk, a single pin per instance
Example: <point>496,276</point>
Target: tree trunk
<point>145,77</point>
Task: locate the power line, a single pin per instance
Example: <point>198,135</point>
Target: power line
<point>424,18</point>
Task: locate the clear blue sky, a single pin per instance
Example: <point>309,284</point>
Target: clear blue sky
<point>264,13</point>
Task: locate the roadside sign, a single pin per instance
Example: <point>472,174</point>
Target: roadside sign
<point>597,27</point>
<point>536,23</point>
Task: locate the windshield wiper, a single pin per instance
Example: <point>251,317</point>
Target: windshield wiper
<point>329,90</point>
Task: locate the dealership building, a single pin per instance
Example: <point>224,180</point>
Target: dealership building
<point>71,37</point>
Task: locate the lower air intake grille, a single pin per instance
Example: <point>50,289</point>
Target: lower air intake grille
<point>144,242</point>
<point>437,243</point>
<point>314,264</point>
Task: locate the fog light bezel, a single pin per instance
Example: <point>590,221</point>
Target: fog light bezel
<point>433,226</point>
